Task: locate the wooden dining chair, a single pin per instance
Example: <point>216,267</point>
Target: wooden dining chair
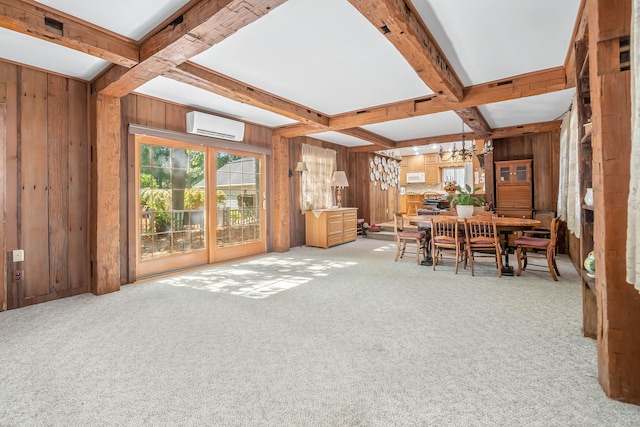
<point>414,202</point>
<point>446,239</point>
<point>403,237</point>
<point>527,246</point>
<point>544,229</point>
<point>483,241</point>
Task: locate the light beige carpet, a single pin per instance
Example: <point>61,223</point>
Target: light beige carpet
<point>312,337</point>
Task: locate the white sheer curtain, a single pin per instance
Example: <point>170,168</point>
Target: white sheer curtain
<point>633,218</point>
<point>316,185</point>
<point>569,209</point>
<point>454,174</point>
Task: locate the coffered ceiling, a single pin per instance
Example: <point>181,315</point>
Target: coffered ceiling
<point>370,74</point>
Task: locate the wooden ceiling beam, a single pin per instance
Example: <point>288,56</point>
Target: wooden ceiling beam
<point>399,23</point>
<point>529,84</point>
<point>366,148</point>
<point>579,33</point>
<point>55,27</point>
<point>527,129</point>
<point>521,86</point>
<point>505,132</point>
<point>205,24</point>
<point>440,139</point>
<point>298,129</point>
<point>217,83</point>
<point>380,141</point>
<point>475,120</point>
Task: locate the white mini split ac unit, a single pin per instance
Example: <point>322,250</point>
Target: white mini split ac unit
<point>214,126</point>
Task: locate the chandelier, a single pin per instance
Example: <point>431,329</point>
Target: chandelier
<point>463,154</point>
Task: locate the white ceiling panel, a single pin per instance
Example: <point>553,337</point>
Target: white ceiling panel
<point>182,93</point>
<point>324,55</point>
<point>321,54</point>
<point>340,138</point>
<point>444,123</point>
<point>492,39</point>
<point>132,19</point>
<point>534,109</point>
<point>424,149</point>
<point>38,53</point>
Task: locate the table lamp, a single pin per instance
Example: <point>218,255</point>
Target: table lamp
<point>339,180</point>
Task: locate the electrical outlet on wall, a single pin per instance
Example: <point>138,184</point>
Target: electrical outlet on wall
<point>18,255</point>
<point>18,275</point>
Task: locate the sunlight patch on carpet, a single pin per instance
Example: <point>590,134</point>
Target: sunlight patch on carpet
<point>257,278</point>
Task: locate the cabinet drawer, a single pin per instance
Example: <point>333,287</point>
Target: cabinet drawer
<point>335,239</point>
<point>515,213</point>
<point>350,235</point>
<point>335,226</point>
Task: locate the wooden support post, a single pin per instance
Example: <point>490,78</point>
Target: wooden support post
<point>618,303</point>
<point>105,205</point>
<point>3,246</point>
<point>281,209</point>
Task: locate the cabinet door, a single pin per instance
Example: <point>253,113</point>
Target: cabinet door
<point>521,173</point>
<point>415,163</point>
<point>431,159</point>
<point>503,174</point>
<point>515,172</point>
<point>350,220</point>
<point>403,174</point>
<point>432,174</point>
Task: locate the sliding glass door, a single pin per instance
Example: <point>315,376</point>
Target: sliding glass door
<point>190,213</point>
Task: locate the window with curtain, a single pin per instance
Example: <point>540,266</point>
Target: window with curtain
<point>453,174</point>
<point>569,207</point>
<point>316,183</point>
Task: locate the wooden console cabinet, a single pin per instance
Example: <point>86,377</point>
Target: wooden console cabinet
<point>514,188</point>
<point>329,227</point>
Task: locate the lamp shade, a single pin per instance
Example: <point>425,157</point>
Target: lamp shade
<point>339,179</point>
<point>301,167</point>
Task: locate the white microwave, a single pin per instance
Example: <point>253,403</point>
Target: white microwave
<point>413,177</point>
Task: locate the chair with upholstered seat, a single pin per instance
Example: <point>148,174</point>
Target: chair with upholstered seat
<point>526,246</point>
<point>405,236</point>
<point>446,239</point>
<point>483,241</point>
<point>544,229</point>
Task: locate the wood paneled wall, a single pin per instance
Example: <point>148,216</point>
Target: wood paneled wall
<point>296,223</point>
<point>46,174</point>
<point>374,204</point>
<point>544,149</point>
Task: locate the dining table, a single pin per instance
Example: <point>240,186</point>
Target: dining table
<point>506,226</point>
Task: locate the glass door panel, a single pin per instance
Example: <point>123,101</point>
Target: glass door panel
<point>172,207</point>
<point>238,207</point>
<point>505,174</point>
<point>521,173</point>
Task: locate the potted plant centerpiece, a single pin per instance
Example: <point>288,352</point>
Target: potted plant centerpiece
<point>464,201</point>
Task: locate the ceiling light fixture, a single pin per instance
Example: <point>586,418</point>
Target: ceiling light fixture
<point>488,147</point>
<point>463,154</point>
